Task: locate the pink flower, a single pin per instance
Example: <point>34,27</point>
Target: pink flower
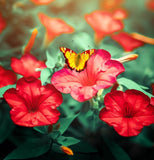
<point>7,77</point>
<point>128,112</point>
<point>103,23</point>
<point>2,23</point>
<point>100,72</point>
<point>33,104</point>
<point>127,41</point>
<point>54,27</point>
<point>41,2</point>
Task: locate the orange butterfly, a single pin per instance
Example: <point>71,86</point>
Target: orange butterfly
<point>74,60</point>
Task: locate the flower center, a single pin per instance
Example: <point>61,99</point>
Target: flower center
<point>128,111</point>
<point>33,109</point>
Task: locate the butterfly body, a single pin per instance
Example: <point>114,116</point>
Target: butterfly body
<point>74,60</point>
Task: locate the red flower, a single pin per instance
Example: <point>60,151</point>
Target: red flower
<point>127,41</point>
<point>27,65</point>
<point>32,104</point>
<point>128,111</point>
<point>103,23</point>
<point>7,77</point>
<point>100,73</point>
<point>54,27</point>
<point>150,5</point>
<point>41,2</point>
<point>2,23</point>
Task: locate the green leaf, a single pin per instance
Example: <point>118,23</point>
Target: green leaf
<point>67,141</point>
<point>3,89</point>
<point>45,76</point>
<point>65,123</point>
<point>56,148</point>
<point>51,61</point>
<point>143,139</point>
<point>55,134</point>
<point>132,85</point>
<point>30,149</point>
<point>6,124</point>
<point>41,129</point>
<point>84,147</point>
<point>116,150</point>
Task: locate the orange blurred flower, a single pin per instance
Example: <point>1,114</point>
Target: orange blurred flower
<point>54,27</point>
<point>150,5</point>
<point>2,23</point>
<point>120,14</point>
<point>67,150</point>
<point>103,23</point>
<point>41,2</point>
<point>110,4</point>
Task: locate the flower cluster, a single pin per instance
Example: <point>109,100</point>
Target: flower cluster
<point>33,104</point>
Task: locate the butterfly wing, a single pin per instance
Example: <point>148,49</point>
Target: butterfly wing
<point>70,57</point>
<point>84,57</point>
<point>74,60</point>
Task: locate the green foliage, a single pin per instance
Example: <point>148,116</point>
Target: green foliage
<point>41,129</point>
<point>65,123</point>
<point>132,85</point>
<point>67,141</point>
<point>84,147</point>
<point>29,149</point>
<point>6,124</point>
<point>143,139</point>
<point>115,149</point>
<point>45,76</point>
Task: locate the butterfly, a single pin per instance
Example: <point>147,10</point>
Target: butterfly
<point>74,60</point>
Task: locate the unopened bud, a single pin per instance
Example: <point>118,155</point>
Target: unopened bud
<point>128,58</point>
<point>142,38</point>
<point>67,150</point>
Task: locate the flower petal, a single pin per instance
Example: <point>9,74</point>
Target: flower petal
<point>14,99</point>
<point>126,41</point>
<point>137,99</point>
<point>64,79</point>
<point>10,77</point>
<point>50,97</point>
<point>27,65</point>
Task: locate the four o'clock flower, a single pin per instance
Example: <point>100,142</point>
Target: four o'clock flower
<point>150,5</point>
<point>27,65</point>
<point>120,14</point>
<point>2,23</point>
<point>103,23</point>
<point>54,27</point>
<point>41,2</point>
<point>128,112</point>
<point>110,4</point>
<point>127,41</point>
<point>33,104</point>
<point>7,77</point>
<point>100,73</point>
